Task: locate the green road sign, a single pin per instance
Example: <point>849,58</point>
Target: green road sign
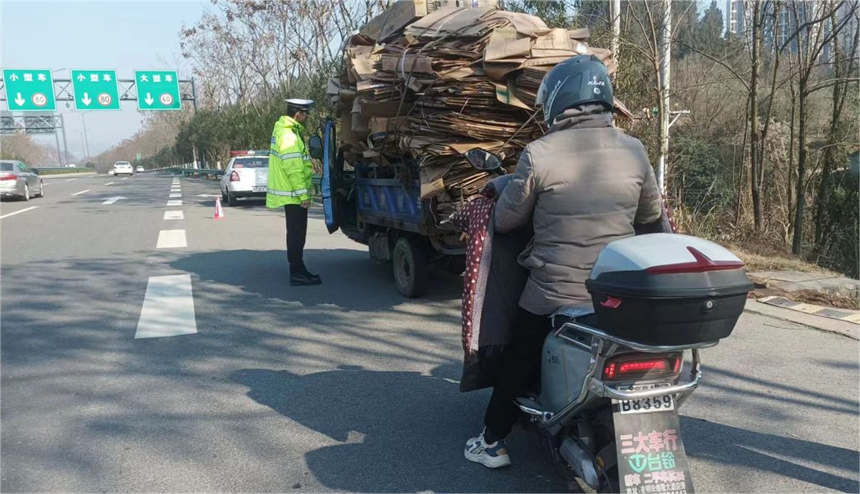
<point>138,156</point>
<point>29,90</point>
<point>157,90</point>
<point>95,90</point>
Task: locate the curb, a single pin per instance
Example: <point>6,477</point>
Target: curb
<point>843,328</point>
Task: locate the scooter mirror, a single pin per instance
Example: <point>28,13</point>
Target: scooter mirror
<point>483,160</point>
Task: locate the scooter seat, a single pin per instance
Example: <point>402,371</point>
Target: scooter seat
<point>583,313</point>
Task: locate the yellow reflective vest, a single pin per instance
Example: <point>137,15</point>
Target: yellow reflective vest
<point>289,165</point>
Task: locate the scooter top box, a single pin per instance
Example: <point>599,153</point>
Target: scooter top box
<point>668,289</point>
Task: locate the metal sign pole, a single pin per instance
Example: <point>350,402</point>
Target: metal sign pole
<point>65,141</point>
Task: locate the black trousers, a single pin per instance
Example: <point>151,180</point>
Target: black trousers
<point>521,361</point>
<point>297,231</point>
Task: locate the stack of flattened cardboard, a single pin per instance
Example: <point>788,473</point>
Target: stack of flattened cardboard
<point>425,82</point>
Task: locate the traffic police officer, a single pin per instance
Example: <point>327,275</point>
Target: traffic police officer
<point>290,185</point>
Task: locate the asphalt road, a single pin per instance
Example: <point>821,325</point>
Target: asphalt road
<point>342,387</point>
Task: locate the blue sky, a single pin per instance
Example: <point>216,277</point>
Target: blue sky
<point>121,35</point>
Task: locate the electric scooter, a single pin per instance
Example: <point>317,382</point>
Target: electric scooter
<point>615,372</point>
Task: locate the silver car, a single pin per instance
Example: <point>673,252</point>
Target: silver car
<point>245,176</point>
<point>17,180</point>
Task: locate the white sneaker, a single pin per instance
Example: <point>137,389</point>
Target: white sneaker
<point>490,455</point>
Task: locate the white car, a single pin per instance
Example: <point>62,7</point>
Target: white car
<point>139,169</point>
<point>245,176</point>
<point>122,168</point>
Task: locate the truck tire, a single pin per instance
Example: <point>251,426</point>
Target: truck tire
<point>410,267</point>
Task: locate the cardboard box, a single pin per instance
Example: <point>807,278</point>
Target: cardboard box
<point>396,17</point>
<point>379,125</point>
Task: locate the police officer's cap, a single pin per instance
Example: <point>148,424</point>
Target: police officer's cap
<point>300,104</point>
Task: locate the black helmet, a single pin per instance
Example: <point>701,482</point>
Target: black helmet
<point>576,81</point>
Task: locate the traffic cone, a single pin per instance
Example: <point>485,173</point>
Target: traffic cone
<point>219,212</point>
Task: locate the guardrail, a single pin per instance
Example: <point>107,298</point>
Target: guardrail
<point>60,170</point>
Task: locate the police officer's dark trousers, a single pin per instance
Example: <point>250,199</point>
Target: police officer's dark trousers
<point>297,229</point>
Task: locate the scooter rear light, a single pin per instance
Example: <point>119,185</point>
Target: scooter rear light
<point>625,367</point>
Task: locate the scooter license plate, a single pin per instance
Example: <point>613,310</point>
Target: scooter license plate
<point>646,405</point>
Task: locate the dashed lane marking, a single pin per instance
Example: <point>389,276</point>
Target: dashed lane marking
<point>174,215</point>
<point>18,212</point>
<point>171,239</point>
<point>175,202</point>
<point>81,192</point>
<point>168,308</point>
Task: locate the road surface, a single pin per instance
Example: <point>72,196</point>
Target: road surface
<point>253,385</point>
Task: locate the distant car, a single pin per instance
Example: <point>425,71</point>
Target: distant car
<point>71,165</point>
<point>122,168</point>
<point>17,180</point>
<point>110,172</point>
<point>139,169</point>
<point>246,175</point>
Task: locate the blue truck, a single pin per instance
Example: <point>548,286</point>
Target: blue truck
<point>381,207</point>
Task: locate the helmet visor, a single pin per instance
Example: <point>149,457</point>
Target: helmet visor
<point>540,100</point>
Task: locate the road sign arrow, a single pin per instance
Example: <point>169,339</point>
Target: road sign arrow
<point>114,199</point>
<point>19,100</point>
<point>149,99</point>
<point>86,100</point>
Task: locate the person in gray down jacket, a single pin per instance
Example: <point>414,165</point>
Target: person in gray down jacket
<point>583,185</point>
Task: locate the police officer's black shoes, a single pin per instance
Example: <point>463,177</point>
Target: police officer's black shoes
<point>301,277</point>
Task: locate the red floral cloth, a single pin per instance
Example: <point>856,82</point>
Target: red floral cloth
<point>474,219</point>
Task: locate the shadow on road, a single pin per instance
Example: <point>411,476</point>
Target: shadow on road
<point>382,420</point>
<point>351,280</point>
<point>781,455</point>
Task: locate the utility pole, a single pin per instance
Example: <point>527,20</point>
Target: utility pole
<point>665,109</point>
<point>615,12</point>
<point>194,103</point>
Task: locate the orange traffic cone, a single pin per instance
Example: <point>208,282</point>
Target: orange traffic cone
<point>219,212</point>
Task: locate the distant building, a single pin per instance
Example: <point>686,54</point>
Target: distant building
<point>738,22</point>
<point>734,17</point>
<point>854,164</point>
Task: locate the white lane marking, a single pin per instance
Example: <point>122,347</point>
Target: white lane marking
<point>126,178</point>
<point>71,180</point>
<point>208,195</point>
<point>174,215</point>
<point>171,239</point>
<point>18,212</point>
<point>175,202</point>
<point>113,200</point>
<point>168,308</point>
<point>81,192</point>
<point>176,195</point>
<point>110,183</point>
